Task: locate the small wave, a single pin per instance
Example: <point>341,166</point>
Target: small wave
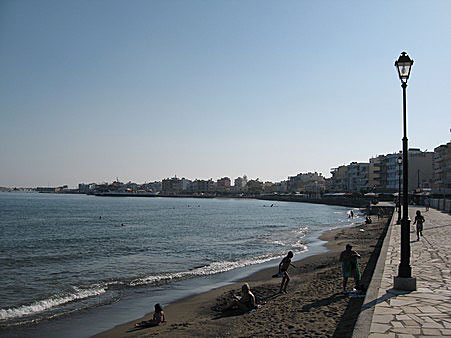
<point>47,304</point>
<point>276,242</point>
<point>301,231</point>
<point>301,245</point>
<point>213,268</point>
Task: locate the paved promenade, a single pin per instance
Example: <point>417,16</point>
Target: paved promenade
<point>422,313</point>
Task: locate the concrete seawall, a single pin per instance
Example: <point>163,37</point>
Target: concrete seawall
<point>352,202</point>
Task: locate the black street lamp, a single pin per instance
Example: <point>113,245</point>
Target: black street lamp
<point>404,279</point>
<point>399,189</point>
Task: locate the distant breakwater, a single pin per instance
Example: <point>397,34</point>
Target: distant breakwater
<point>352,202</point>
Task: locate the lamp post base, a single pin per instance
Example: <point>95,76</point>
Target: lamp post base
<point>405,283</point>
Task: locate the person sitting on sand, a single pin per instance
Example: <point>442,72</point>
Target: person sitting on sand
<point>348,259</point>
<point>283,271</point>
<point>244,303</point>
<point>158,317</point>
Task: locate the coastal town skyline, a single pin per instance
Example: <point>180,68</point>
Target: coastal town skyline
<point>382,174</point>
<point>94,91</point>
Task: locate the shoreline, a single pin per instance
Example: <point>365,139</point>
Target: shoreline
<point>198,314</point>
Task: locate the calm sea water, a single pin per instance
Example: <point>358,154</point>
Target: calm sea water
<point>61,254</point>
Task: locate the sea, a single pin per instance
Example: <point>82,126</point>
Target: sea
<point>75,265</point>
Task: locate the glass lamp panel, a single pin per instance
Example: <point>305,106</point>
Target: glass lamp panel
<point>404,69</point>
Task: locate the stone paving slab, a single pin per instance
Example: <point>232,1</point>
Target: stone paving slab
<point>425,312</point>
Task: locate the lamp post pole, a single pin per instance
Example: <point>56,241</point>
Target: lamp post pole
<point>404,279</point>
<point>399,190</point>
<point>405,270</point>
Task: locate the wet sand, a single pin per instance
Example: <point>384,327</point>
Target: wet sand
<point>314,306</point>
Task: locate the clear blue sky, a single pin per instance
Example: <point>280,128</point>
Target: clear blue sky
<point>143,90</point>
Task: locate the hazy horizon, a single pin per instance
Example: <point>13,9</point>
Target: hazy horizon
<point>145,90</point>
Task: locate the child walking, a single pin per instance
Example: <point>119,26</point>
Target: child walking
<point>419,220</point>
<point>283,271</point>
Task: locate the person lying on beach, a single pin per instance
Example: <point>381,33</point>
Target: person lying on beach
<point>244,303</point>
<point>283,271</point>
<point>349,266</point>
<point>158,317</point>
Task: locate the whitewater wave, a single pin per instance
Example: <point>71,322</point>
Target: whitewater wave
<point>301,232</point>
<point>213,268</point>
<point>49,303</point>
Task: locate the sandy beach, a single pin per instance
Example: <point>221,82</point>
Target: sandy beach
<point>314,306</point>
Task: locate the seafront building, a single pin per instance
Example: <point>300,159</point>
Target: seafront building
<point>338,181</point>
<point>223,184</point>
<point>254,187</point>
<point>420,171</point>
<point>357,177</point>
<point>382,174</point>
<point>442,170</point>
<point>306,183</point>
<point>202,186</point>
<point>172,185</point>
<point>429,172</point>
<point>349,178</point>
<point>240,183</point>
<point>375,176</point>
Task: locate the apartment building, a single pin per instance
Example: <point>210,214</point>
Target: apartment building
<point>338,181</point>
<point>442,169</point>
<point>306,183</point>
<point>357,177</point>
<point>376,178</point>
<point>203,186</point>
<point>223,184</point>
<point>239,183</point>
<point>172,185</point>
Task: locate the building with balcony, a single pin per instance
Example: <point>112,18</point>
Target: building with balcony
<point>442,169</point>
<point>375,174</point>
<point>223,184</point>
<point>239,183</point>
<point>202,186</point>
<point>421,168</point>
<point>385,173</point>
<point>357,177</point>
<point>306,183</point>
<point>254,186</point>
<point>172,185</point>
<point>338,182</point>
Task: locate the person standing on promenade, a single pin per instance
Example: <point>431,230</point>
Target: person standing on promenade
<point>419,220</point>
<point>348,259</point>
<point>427,203</point>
